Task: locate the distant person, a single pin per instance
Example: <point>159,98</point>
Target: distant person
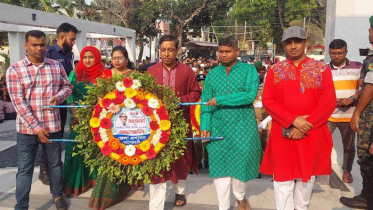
<point>62,52</point>
<point>346,77</point>
<point>361,122</point>
<point>2,111</point>
<point>299,95</point>
<point>10,112</point>
<point>47,84</point>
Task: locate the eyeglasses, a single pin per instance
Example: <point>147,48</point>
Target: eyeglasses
<point>337,53</point>
<point>117,58</point>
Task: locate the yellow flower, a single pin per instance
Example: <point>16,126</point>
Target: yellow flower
<point>130,92</point>
<point>100,144</point>
<point>110,95</point>
<point>165,125</point>
<point>94,122</point>
<point>115,156</point>
<point>158,147</point>
<point>143,157</point>
<point>197,114</point>
<point>144,146</point>
<point>149,96</point>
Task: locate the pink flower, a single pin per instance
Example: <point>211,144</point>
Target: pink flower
<point>105,150</point>
<point>150,154</point>
<point>106,102</point>
<point>154,125</point>
<point>127,82</point>
<point>147,110</point>
<point>105,123</point>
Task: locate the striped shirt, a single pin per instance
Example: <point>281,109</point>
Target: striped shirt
<point>30,87</point>
<point>346,83</point>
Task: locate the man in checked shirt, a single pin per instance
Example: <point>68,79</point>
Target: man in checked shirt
<point>33,82</point>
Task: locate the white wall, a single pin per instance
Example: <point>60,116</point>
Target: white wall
<point>348,20</point>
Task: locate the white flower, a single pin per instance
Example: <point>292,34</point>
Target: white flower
<point>102,114</point>
<point>130,150</point>
<point>105,138</point>
<point>129,103</point>
<point>103,134</point>
<point>156,116</point>
<point>114,108</point>
<point>102,131</point>
<point>120,86</point>
<point>153,103</point>
<point>158,132</point>
<point>136,84</point>
<point>156,139</point>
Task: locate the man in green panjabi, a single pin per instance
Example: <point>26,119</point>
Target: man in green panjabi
<point>230,90</point>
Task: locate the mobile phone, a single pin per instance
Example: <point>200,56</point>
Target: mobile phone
<point>286,131</point>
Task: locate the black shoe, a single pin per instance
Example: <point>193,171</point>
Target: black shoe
<point>44,174</point>
<point>357,202</point>
<point>60,203</point>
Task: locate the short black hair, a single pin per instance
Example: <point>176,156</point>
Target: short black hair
<point>229,41</point>
<point>338,44</point>
<point>66,28</point>
<point>169,38</point>
<point>34,33</point>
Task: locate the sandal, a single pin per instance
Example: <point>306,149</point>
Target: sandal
<point>179,197</point>
<point>244,204</point>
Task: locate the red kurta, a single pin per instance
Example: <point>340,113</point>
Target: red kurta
<point>291,91</point>
<point>183,80</point>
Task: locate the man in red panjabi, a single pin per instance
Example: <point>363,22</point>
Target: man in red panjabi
<point>182,80</point>
<point>300,97</point>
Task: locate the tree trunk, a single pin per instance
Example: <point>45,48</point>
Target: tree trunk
<point>279,7</point>
<point>179,36</point>
<point>141,52</point>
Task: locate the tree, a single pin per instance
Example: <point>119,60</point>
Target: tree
<point>138,15</point>
<point>274,16</point>
<point>193,14</point>
<point>44,5</point>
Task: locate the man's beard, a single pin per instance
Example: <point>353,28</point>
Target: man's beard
<point>66,47</point>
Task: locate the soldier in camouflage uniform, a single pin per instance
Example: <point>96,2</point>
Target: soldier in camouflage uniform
<point>364,112</point>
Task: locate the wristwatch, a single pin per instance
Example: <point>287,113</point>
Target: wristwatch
<point>353,98</point>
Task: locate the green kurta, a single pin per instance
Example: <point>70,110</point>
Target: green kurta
<point>239,154</point>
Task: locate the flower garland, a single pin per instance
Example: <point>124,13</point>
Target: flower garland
<point>195,115</point>
<point>128,94</point>
<point>167,128</point>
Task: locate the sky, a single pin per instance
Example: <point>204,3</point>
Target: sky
<point>88,2</point>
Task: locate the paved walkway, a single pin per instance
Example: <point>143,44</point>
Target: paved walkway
<point>200,192</point>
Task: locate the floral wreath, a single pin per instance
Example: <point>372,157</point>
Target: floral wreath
<point>195,115</point>
<point>128,94</point>
<point>125,162</point>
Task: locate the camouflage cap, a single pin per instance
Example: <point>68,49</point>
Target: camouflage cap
<point>371,21</point>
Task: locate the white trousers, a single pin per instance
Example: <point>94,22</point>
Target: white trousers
<point>223,189</point>
<point>290,195</point>
<point>158,193</point>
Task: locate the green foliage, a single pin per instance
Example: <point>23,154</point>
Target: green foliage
<point>188,16</point>
<point>145,170</point>
<point>44,5</point>
<point>274,16</point>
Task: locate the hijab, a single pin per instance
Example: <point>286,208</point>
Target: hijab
<point>89,74</point>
